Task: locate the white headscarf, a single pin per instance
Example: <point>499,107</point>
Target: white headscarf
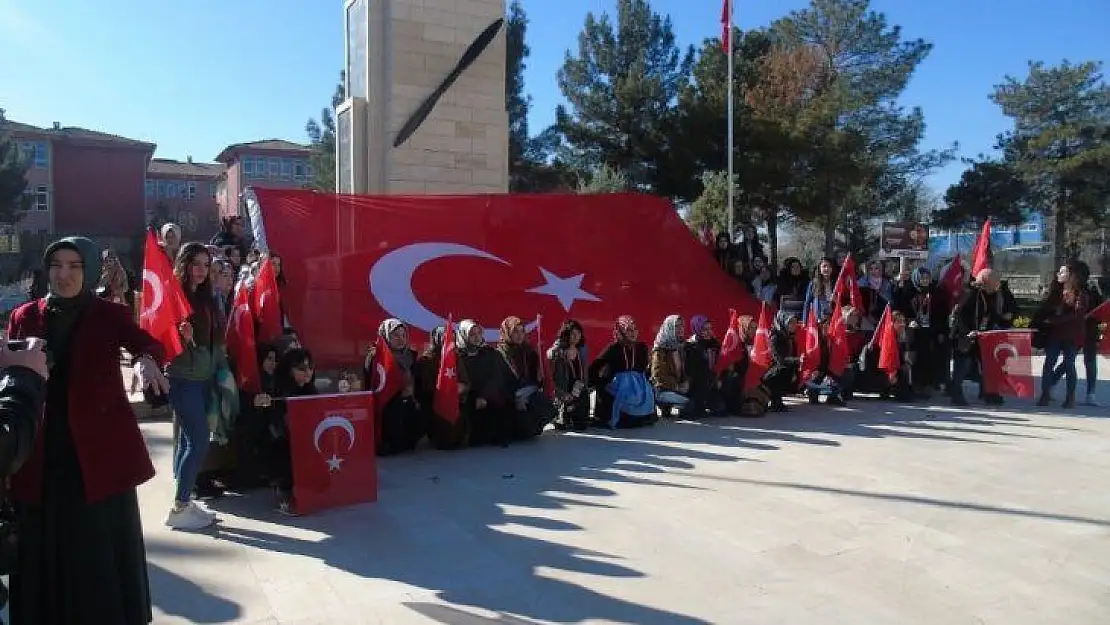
<point>667,338</point>
<point>462,339</point>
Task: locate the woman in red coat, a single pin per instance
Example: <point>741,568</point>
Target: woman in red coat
<point>81,559</point>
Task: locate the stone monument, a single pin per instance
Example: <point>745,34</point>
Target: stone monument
<point>425,98</point>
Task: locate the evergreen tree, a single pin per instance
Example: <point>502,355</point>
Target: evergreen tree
<point>1060,144</point>
<point>605,179</point>
<point>13,181</point>
<point>321,137</point>
<point>623,87</point>
<point>987,189</point>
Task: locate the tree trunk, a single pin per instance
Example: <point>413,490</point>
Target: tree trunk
<point>773,235</point>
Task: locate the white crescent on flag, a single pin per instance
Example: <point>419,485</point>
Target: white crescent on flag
<point>156,295</point>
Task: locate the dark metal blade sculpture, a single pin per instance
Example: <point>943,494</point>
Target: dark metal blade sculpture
<point>473,51</point>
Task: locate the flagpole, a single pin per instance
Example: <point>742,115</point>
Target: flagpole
<point>731,182</point>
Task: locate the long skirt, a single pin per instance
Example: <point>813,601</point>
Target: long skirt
<point>402,427</point>
<point>444,434</point>
<point>603,412</point>
<point>80,563</point>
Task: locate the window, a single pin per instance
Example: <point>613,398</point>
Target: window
<point>42,158</point>
<point>27,151</point>
<point>211,189</point>
<point>189,190</point>
<point>1029,228</point>
<point>299,169</point>
<point>169,189</point>
<point>42,198</point>
<point>152,188</point>
<point>248,165</point>
<point>286,168</point>
<point>275,167</point>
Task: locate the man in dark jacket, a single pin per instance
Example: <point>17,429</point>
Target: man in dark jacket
<point>984,307</point>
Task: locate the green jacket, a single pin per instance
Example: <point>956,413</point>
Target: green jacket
<point>197,364</point>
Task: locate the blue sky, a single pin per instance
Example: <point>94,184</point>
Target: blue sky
<point>194,77</point>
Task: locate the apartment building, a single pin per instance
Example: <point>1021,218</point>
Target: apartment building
<point>184,192</point>
<point>268,163</point>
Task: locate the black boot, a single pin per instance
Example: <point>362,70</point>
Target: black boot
<point>1046,397</point>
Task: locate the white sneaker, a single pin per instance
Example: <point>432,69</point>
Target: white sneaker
<point>205,509</point>
<point>189,517</point>
<point>1091,401</point>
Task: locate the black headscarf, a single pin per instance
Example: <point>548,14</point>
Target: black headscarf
<point>62,313</point>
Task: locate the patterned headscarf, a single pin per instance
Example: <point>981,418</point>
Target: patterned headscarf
<point>621,327</point>
<point>387,327</point>
<point>508,326</point>
<point>403,356</point>
<point>697,323</point>
<point>783,319</point>
<point>668,336</point>
<point>462,339</point>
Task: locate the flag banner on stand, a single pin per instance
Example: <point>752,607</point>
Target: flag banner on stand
<point>352,261</point>
<point>1007,358</point>
<point>331,440</point>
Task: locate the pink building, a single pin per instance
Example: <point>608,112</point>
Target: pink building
<point>79,182</point>
<point>184,192</point>
<point>268,163</point>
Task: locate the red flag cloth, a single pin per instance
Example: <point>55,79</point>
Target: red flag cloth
<point>726,26</point>
<point>331,441</point>
<point>446,399</point>
<point>887,340</point>
<point>847,282</point>
<point>761,349</point>
<point>1007,357</point>
<point>240,341</point>
<point>1101,313</point>
<point>164,306</point>
<point>352,261</point>
<point>810,349</point>
<point>546,374</point>
<point>981,258</point>
<point>386,381</point>
<point>952,281</point>
<point>266,302</point>
<point>732,346</point>
<point>840,352</point>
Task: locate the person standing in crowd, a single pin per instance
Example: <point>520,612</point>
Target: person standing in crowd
<point>170,240</point>
<point>191,375</point>
<point>487,400</point>
<point>984,307</point>
<point>723,251</point>
<point>819,293</point>
<point>1062,318</point>
<point>81,558</point>
<point>1090,333</point>
<point>232,233</point>
<point>749,247</point>
<point>763,285</point>
<point>925,306</point>
<point>115,284</point>
<point>792,285</point>
<point>877,292</point>
<point>568,371</point>
<point>295,376</point>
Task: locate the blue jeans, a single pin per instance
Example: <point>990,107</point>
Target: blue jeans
<point>1090,365</point>
<point>1052,351</point>
<point>188,398</point>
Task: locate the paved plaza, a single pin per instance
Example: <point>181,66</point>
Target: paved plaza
<point>880,513</point>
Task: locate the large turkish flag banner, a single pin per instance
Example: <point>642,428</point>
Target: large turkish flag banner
<point>331,440</point>
<point>352,261</point>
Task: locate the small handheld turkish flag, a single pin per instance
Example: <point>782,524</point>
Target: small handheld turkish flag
<point>980,259</point>
<point>446,401</point>
<point>952,281</point>
<point>840,354</point>
<point>241,341</point>
<point>890,359</point>
<point>732,347</point>
<point>846,283</point>
<point>164,306</point>
<point>266,302</point>
<point>386,381</point>
<point>761,349</point>
<point>331,441</point>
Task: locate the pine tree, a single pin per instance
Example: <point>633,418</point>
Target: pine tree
<point>13,181</point>
<point>321,136</point>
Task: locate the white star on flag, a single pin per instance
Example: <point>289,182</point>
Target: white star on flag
<point>449,372</point>
<point>566,290</point>
<point>334,463</point>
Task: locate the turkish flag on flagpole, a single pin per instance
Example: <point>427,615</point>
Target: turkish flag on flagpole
<point>241,342</point>
<point>810,347</point>
<point>732,347</point>
<point>164,306</point>
<point>545,369</point>
<point>331,442</point>
<point>1101,313</point>
<point>266,302</point>
<point>386,381</point>
<point>980,260</point>
<point>840,354</point>
<point>846,281</point>
<point>889,356</point>
<point>726,26</point>
<point>446,399</point>
<point>761,349</point>
<point>952,281</point>
<point>1007,357</point>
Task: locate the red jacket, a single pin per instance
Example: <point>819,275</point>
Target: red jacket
<point>110,448</point>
